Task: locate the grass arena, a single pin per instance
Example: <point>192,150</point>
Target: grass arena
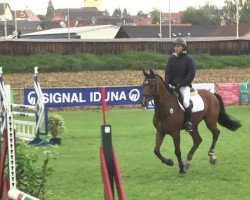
<point>77,166</point>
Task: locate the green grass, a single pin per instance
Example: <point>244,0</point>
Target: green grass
<point>132,60</point>
<point>77,170</point>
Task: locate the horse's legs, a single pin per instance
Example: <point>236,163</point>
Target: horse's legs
<point>176,139</point>
<point>158,141</point>
<point>196,142</point>
<point>216,132</point>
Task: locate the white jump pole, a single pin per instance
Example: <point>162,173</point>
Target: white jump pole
<point>22,106</point>
<point>18,195</point>
<point>24,114</point>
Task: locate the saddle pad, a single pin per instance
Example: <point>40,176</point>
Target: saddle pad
<point>198,103</point>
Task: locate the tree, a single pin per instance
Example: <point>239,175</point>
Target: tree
<point>125,12</point>
<point>206,15</point>
<point>50,10</point>
<point>244,10</point>
<point>230,10</point>
<point>117,12</point>
<point>141,14</point>
<point>106,13</point>
<point>155,14</point>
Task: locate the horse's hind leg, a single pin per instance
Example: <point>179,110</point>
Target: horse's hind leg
<point>196,142</point>
<point>216,132</point>
<point>158,141</point>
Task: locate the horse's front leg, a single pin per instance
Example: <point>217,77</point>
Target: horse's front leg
<point>158,141</point>
<point>176,139</point>
<point>196,142</point>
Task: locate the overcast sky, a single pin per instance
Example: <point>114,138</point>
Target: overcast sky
<point>132,6</point>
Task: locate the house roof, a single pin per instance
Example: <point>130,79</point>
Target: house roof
<point>46,25</point>
<point>78,14</point>
<point>57,18</point>
<point>24,26</point>
<point>230,30</point>
<point>2,7</point>
<point>142,21</point>
<point>10,30</point>
<point>26,14</point>
<point>153,31</point>
<point>20,14</point>
<point>85,14</point>
<point>32,16</point>
<point>89,9</point>
<point>174,16</point>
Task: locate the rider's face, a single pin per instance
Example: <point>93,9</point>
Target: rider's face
<point>178,48</point>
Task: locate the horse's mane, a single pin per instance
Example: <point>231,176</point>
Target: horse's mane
<point>166,85</point>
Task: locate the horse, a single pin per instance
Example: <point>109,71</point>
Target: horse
<point>169,119</point>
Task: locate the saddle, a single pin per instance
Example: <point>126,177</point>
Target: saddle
<point>196,101</point>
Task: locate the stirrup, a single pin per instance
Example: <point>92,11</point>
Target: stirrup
<point>188,126</point>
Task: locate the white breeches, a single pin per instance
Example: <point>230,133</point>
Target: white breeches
<point>185,91</point>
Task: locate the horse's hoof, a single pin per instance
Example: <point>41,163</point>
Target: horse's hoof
<point>169,162</point>
<point>213,160</point>
<point>182,172</point>
<point>187,165</point>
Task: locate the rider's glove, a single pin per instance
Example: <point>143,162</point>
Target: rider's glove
<point>177,86</point>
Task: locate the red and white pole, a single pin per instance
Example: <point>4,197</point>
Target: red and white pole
<point>104,104</point>
<point>18,195</point>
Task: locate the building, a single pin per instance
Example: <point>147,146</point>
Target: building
<point>154,31</point>
<point>93,3</point>
<point>86,16</point>
<point>107,20</point>
<point>25,15</point>
<point>142,21</point>
<point>175,18</point>
<point>5,12</point>
<point>10,30</point>
<point>230,31</point>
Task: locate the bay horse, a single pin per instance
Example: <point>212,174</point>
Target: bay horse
<point>168,118</point>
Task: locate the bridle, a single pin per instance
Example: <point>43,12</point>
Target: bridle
<point>153,95</point>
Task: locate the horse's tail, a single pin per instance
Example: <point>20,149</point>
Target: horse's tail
<point>224,119</point>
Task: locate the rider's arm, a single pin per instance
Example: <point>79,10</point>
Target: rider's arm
<point>190,74</point>
<point>168,73</point>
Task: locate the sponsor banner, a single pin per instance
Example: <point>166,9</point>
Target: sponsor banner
<point>244,93</point>
<point>91,96</point>
<point>229,92</point>
<point>207,86</point>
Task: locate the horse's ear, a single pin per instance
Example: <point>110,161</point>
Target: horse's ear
<point>145,73</point>
<point>152,73</point>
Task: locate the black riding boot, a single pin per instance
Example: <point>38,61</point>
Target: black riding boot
<point>188,124</point>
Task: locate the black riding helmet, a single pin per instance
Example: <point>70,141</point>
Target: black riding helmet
<point>181,41</point>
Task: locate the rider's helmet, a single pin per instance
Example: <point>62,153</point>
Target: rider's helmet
<point>181,41</point>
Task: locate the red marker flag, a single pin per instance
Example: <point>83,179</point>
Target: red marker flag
<point>104,104</point>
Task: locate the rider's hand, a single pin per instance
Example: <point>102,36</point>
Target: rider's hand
<point>177,86</point>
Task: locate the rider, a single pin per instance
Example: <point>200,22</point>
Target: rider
<point>180,72</point>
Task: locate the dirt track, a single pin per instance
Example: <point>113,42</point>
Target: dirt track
<point>112,78</point>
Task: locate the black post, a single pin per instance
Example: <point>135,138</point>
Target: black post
<point>107,148</point>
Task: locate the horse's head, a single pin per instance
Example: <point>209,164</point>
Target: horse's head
<point>149,87</point>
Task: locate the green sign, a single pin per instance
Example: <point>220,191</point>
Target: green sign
<point>244,93</point>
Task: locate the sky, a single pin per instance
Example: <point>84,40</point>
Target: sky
<point>132,6</point>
